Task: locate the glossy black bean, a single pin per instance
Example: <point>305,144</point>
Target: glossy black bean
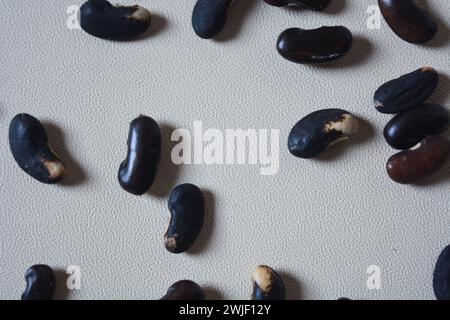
<point>317,5</point>
<point>408,128</point>
<point>411,166</point>
<point>406,92</point>
<point>187,209</point>
<point>317,131</point>
<point>410,22</point>
<point>101,19</point>
<point>320,45</point>
<point>41,282</point>
<point>209,17</point>
<point>184,290</point>
<point>138,171</point>
<point>28,142</point>
<point>267,284</point>
<point>441,276</point>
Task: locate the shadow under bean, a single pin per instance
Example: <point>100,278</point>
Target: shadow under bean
<point>336,7</point>
<point>236,17</point>
<point>206,234</point>
<point>168,172</point>
<point>366,132</point>
<point>441,95</point>
<point>293,286</point>
<point>61,290</point>
<point>360,53</point>
<point>212,294</point>
<point>158,25</point>
<point>442,36</point>
<point>75,173</point>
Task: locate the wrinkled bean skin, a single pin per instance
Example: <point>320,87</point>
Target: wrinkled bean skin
<point>441,276</point>
<point>187,209</point>
<point>320,45</point>
<point>267,284</point>
<point>406,92</point>
<point>316,5</point>
<point>209,17</point>
<point>101,19</point>
<point>184,290</point>
<point>138,171</point>
<point>408,128</point>
<point>408,20</point>
<point>28,142</point>
<point>319,130</point>
<point>411,166</point>
<point>41,282</point>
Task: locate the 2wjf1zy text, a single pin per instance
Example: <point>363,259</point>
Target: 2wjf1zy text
<point>241,310</point>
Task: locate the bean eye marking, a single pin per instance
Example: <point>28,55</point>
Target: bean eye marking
<point>267,284</point>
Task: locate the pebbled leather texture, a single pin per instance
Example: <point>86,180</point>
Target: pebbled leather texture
<point>319,223</point>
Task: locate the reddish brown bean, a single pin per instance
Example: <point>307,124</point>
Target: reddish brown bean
<point>410,22</point>
<point>411,166</point>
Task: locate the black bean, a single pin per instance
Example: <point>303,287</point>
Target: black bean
<point>317,131</point>
<point>267,284</point>
<point>29,146</point>
<point>411,166</point>
<point>184,290</point>
<point>406,92</point>
<point>209,17</point>
<point>138,171</point>
<point>441,276</point>
<point>317,5</point>
<point>41,282</point>
<point>320,45</point>
<point>187,209</point>
<point>101,19</point>
<point>410,22</point>
<point>408,128</point>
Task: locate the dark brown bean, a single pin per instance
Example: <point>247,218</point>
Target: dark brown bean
<point>28,142</point>
<point>441,276</point>
<point>410,22</point>
<point>411,166</point>
<point>406,92</point>
<point>320,45</point>
<point>319,130</point>
<point>138,171</point>
<point>101,19</point>
<point>184,290</point>
<point>187,214</point>
<point>316,5</point>
<point>209,17</point>
<point>408,128</point>
<point>267,284</point>
<point>41,282</point>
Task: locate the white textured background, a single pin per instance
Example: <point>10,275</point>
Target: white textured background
<point>319,222</point>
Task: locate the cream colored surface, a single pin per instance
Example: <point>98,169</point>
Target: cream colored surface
<point>320,223</point>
